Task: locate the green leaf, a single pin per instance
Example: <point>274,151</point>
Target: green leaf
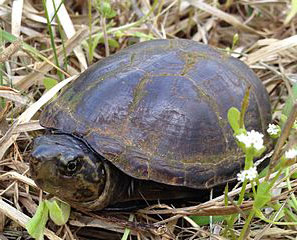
<point>127,230</point>
<point>283,119</point>
<point>59,211</point>
<point>260,215</point>
<point>264,172</point>
<point>258,153</point>
<point>233,118</point>
<point>235,40</point>
<point>292,12</point>
<point>96,40</point>
<point>263,195</point>
<point>294,175</point>
<point>144,36</point>
<point>11,38</point>
<point>111,42</point>
<point>106,10</point>
<point>49,83</point>
<point>290,215</point>
<point>205,220</point>
<point>36,224</point>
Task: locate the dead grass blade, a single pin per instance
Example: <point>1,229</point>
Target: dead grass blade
<point>33,77</point>
<point>16,176</point>
<point>13,95</point>
<point>222,15</point>
<point>274,48</point>
<point>27,127</point>
<point>10,50</point>
<point>119,225</point>
<point>68,27</point>
<point>9,138</point>
<point>16,17</point>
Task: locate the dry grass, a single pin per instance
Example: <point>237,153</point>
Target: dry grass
<point>266,43</point>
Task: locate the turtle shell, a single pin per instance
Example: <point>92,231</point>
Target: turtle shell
<point>158,111</point>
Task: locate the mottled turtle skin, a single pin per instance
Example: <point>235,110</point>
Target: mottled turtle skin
<point>155,111</point>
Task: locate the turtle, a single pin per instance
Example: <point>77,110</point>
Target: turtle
<point>149,121</point>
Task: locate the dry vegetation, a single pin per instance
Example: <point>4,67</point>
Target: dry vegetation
<point>267,43</point>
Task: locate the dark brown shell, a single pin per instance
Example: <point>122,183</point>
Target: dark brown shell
<point>158,111</point>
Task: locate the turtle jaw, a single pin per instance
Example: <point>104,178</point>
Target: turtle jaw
<point>49,165</point>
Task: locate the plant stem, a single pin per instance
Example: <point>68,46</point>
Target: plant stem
<point>249,156</point>
<point>90,31</point>
<point>242,192</point>
<point>51,33</point>
<point>246,225</point>
<point>248,165</point>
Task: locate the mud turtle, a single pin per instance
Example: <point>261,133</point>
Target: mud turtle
<point>149,120</point>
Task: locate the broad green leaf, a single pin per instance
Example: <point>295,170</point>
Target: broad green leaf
<point>59,211</point>
<point>290,215</point>
<point>263,195</point>
<point>294,175</point>
<point>119,34</point>
<point>106,9</point>
<point>111,42</point>
<point>205,220</point>
<point>95,42</point>
<point>258,153</point>
<point>49,83</point>
<point>264,172</point>
<point>233,118</point>
<point>36,225</point>
<point>283,119</point>
<point>293,202</point>
<point>259,214</point>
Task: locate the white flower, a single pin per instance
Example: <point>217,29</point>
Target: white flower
<point>249,174</point>
<point>273,129</point>
<point>292,153</point>
<point>252,139</point>
<point>241,176</point>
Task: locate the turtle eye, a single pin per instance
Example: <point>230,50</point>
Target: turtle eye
<point>72,166</point>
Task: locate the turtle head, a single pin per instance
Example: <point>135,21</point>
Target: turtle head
<point>65,167</point>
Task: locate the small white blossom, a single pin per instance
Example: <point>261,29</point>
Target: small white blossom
<point>252,139</point>
<point>249,174</point>
<point>241,176</point>
<point>292,153</point>
<point>273,129</point>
